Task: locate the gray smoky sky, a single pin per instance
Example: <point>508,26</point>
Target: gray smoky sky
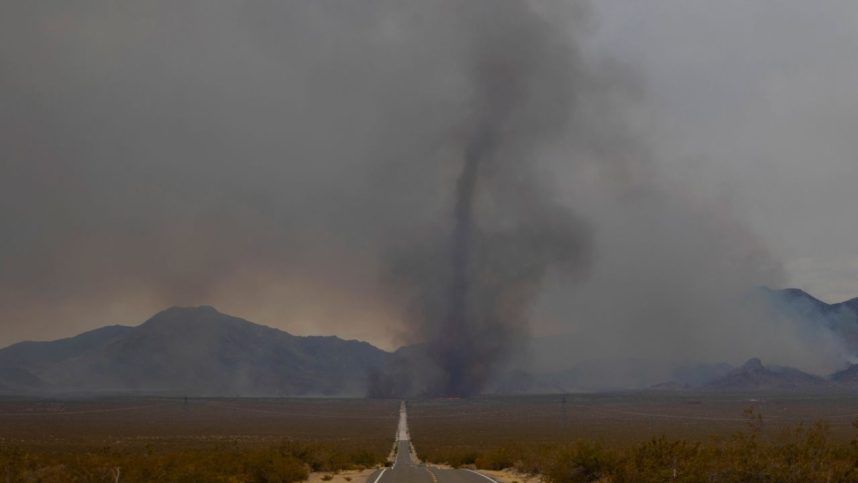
<point>752,105</point>
<point>268,157</point>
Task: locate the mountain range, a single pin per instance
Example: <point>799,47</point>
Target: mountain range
<point>753,375</point>
<point>202,352</point>
<point>550,370</point>
<point>195,351</point>
<point>840,318</point>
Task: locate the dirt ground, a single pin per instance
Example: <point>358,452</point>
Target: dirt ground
<point>354,476</point>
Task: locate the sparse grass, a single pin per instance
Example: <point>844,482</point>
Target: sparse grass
<point>624,439</point>
<point>207,440</point>
<point>285,462</point>
<point>606,438</point>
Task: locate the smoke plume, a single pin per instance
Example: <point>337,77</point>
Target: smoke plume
<point>452,176</point>
<point>519,77</point>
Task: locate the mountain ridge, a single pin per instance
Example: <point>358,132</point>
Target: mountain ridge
<point>754,376</point>
<point>192,350</point>
<point>201,351</point>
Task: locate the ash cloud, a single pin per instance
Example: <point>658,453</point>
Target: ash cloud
<point>447,173</point>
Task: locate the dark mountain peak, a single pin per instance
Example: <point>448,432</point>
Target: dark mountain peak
<point>797,295</point>
<point>841,319</point>
<point>753,375</point>
<point>851,304</point>
<point>201,318</point>
<point>849,375</point>
<point>795,302</point>
<point>179,311</point>
<point>753,364</point>
<point>799,299</point>
<point>191,350</point>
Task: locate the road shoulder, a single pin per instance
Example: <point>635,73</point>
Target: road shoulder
<point>350,476</point>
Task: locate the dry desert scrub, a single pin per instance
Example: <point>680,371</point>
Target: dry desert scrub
<point>801,454</point>
<point>223,462</point>
<point>200,440</point>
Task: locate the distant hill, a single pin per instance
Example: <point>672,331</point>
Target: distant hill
<point>548,366</point>
<point>840,318</point>
<point>40,355</point>
<point>191,351</point>
<point>200,351</point>
<point>754,376</point>
<point>847,377</point>
<point>800,297</point>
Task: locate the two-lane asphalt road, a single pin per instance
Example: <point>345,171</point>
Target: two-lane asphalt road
<point>406,468</point>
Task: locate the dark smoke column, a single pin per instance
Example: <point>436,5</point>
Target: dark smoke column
<point>453,353</point>
<point>495,273</point>
<point>470,292</point>
<point>455,356</point>
<point>459,356</point>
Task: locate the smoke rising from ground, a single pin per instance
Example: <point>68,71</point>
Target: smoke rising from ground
<point>506,231</point>
<point>448,173</point>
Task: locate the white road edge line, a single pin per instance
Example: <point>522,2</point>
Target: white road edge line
<point>380,475</point>
<point>478,473</point>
